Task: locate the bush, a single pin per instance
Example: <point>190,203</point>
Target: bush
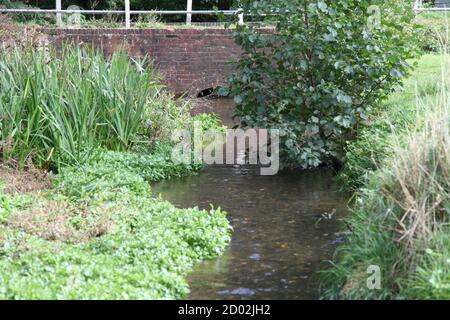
<point>319,76</point>
<point>394,118</point>
<point>435,31</point>
<point>24,17</point>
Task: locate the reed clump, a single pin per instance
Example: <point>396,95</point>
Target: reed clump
<point>58,108</point>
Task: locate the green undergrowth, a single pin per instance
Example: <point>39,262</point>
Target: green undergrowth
<point>435,32</point>
<point>399,222</point>
<point>101,234</point>
<point>395,118</point>
<point>104,127</point>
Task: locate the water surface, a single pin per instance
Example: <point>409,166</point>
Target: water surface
<point>278,242</point>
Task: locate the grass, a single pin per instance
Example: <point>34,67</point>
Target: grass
<point>400,218</point>
<point>396,117</point>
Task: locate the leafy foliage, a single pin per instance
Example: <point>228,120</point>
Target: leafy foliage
<point>435,31</point>
<point>58,109</point>
<point>147,250</point>
<point>119,4</point>
<point>432,280</point>
<point>100,233</point>
<point>318,77</point>
<point>392,120</point>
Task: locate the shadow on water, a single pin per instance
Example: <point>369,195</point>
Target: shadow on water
<point>278,244</point>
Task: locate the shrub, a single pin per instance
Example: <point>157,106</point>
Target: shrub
<point>24,17</point>
<point>394,118</point>
<point>435,34</point>
<point>321,73</point>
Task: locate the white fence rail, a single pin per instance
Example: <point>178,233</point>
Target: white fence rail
<point>127,12</point>
<point>420,7</point>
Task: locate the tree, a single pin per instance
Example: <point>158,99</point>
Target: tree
<point>321,72</point>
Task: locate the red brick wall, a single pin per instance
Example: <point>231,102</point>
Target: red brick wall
<point>190,60</point>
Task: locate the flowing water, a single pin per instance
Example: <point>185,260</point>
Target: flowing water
<point>279,239</point>
<point>285,227</point>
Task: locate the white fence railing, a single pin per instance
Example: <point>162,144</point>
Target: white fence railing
<point>420,7</point>
<point>127,12</point>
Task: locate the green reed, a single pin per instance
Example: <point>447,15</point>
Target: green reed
<point>56,108</point>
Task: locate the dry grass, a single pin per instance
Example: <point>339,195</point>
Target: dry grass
<point>401,216</point>
<point>59,221</point>
<point>419,179</point>
<point>53,220</point>
<point>31,180</point>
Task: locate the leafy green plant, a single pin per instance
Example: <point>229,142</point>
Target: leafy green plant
<point>435,32</point>
<point>58,109</point>
<point>209,121</point>
<point>24,17</point>
<point>394,118</point>
<point>144,253</point>
<point>149,21</point>
<point>320,73</point>
<point>432,279</point>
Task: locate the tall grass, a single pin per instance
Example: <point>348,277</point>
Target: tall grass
<point>394,118</point>
<point>55,109</point>
<point>401,218</point>
<point>418,181</point>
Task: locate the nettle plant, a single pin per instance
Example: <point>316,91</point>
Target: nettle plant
<point>321,72</point>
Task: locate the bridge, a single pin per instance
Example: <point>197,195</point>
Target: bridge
<point>190,60</point>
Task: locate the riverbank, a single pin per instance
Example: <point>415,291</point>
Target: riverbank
<point>78,219</point>
<point>398,243</point>
<point>100,233</point>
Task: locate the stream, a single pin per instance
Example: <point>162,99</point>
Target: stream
<point>280,238</point>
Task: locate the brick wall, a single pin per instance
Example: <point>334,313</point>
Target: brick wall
<point>190,60</point>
